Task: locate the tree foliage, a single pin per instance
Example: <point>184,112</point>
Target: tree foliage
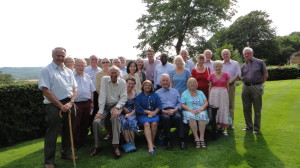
<point>254,30</point>
<point>174,23</point>
<point>287,46</point>
<point>6,78</point>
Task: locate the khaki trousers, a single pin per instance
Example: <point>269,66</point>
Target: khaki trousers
<point>252,96</point>
<point>98,124</point>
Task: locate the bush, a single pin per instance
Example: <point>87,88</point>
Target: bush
<point>22,113</point>
<point>283,72</point>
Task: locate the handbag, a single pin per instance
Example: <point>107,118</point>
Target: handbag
<point>128,147</point>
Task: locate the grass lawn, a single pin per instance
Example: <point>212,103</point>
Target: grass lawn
<point>277,145</point>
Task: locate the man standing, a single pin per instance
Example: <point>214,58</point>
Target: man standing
<point>162,68</point>
<point>58,85</point>
<point>208,62</point>
<point>233,69</point>
<point>171,105</point>
<point>254,74</point>
<point>117,63</point>
<point>188,64</point>
<point>113,97</point>
<point>91,70</point>
<point>123,68</point>
<point>84,102</point>
<point>150,64</point>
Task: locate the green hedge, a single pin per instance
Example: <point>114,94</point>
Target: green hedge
<point>22,113</point>
<point>283,72</point>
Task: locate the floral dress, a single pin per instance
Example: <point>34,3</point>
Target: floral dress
<point>129,123</point>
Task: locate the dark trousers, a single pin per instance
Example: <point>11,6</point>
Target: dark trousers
<point>81,121</point>
<point>95,110</point>
<point>54,125</point>
<point>169,120</point>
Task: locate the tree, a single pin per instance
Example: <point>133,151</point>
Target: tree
<point>174,23</point>
<point>287,46</point>
<point>253,30</point>
<point>6,78</point>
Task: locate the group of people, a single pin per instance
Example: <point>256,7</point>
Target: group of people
<point>143,94</point>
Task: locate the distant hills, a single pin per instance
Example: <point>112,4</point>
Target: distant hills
<point>22,73</point>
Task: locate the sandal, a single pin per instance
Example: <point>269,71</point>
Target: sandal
<point>197,144</point>
<point>202,144</point>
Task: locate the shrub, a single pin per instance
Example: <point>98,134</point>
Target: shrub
<point>283,72</point>
<point>22,113</point>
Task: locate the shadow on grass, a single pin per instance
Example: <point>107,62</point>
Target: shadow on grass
<point>258,153</point>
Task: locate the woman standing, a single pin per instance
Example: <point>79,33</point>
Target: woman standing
<point>128,118</point>
<point>218,95</point>
<point>140,64</point>
<point>179,75</point>
<point>201,73</point>
<point>132,72</point>
<point>147,105</point>
<point>105,62</point>
<point>194,104</point>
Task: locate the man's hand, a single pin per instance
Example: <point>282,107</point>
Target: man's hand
<point>115,112</point>
<point>98,116</point>
<point>66,107</point>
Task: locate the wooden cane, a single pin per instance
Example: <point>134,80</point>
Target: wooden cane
<point>71,136</point>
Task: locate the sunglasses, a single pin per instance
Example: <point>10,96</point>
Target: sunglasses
<point>105,62</point>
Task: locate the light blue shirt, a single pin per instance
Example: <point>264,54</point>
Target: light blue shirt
<point>189,65</point>
<point>169,98</point>
<point>188,99</point>
<point>232,68</point>
<point>159,70</point>
<point>59,80</point>
<point>123,72</point>
<point>85,87</point>
<point>210,65</point>
<point>92,73</point>
<point>179,81</point>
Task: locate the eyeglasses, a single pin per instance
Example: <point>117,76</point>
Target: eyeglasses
<point>105,62</point>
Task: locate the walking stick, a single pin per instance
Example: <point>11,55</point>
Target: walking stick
<point>71,136</point>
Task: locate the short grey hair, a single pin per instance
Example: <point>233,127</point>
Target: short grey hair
<point>207,50</point>
<point>165,75</point>
<point>81,59</point>
<point>114,68</point>
<point>247,49</point>
<point>58,48</point>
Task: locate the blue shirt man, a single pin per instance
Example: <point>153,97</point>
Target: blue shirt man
<point>171,105</point>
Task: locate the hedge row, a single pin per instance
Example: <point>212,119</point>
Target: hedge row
<point>22,113</point>
<point>283,72</point>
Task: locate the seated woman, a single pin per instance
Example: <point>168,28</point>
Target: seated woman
<point>128,118</point>
<point>194,104</point>
<point>147,105</point>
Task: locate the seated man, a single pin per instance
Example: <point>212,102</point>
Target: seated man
<point>112,98</point>
<point>170,100</point>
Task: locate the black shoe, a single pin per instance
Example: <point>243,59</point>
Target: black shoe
<point>95,152</point>
<point>169,145</point>
<point>183,146</point>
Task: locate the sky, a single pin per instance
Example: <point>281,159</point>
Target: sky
<point>30,29</point>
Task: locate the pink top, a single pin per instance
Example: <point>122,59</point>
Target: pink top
<point>222,82</point>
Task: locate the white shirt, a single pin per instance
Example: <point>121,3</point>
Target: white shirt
<point>232,68</point>
<point>85,87</point>
<point>111,93</point>
<point>210,64</point>
<point>161,69</point>
<point>59,80</point>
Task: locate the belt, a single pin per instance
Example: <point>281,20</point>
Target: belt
<point>84,101</point>
<point>66,99</point>
<point>167,108</point>
<point>250,84</point>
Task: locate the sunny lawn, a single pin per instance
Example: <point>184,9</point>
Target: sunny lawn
<point>277,145</point>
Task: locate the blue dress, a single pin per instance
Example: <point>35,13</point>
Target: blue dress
<point>129,123</point>
<point>179,81</point>
<point>147,102</point>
